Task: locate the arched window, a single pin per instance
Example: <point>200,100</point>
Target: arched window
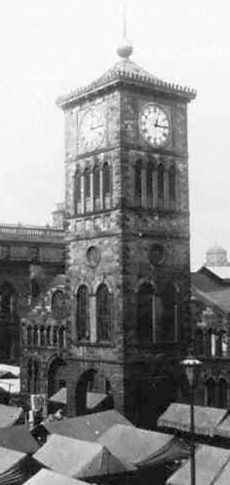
<point>48,335</point>
<point>223,393</point>
<point>58,304</point>
<point>149,185</point>
<point>208,342</point>
<point>77,193</point>
<point>29,376</point>
<point>170,315</point>
<point>8,300</point>
<point>106,185</point>
<point>55,335</point>
<point>160,184</point>
<point>137,183</point>
<point>29,335</point>
<point>42,336</point>
<point>36,377</point>
<point>145,313</point>
<point>199,339</point>
<point>82,320</point>
<point>211,392</point>
<point>35,289</point>
<point>219,337</point>
<point>87,190</point>
<point>96,188</point>
<point>61,336</point>
<point>104,314</point>
<point>172,184</point>
<point>35,342</point>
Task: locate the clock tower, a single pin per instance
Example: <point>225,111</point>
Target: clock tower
<point>126,160</point>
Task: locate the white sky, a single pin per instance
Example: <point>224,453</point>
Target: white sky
<point>48,47</point>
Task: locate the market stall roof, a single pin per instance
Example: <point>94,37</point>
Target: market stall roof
<point>175,450</point>
<point>206,419</point>
<point>78,459</point>
<point>12,386</point>
<point>210,460</point>
<point>11,370</point>
<point>133,444</point>
<point>223,429</point>
<point>53,478</point>
<point>9,415</point>
<point>18,438</point>
<point>93,399</point>
<point>12,470</point>
<point>88,427</point>
<point>224,477</point>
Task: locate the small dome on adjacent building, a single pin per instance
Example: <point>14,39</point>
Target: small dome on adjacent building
<point>216,256</point>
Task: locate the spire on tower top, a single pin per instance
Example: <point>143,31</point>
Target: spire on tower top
<point>125,49</point>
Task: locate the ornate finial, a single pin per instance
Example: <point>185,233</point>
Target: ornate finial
<point>125,49</point>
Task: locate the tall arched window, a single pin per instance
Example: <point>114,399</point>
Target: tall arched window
<point>106,185</point>
<point>160,184</point>
<point>61,332</point>
<point>223,393</point>
<point>48,335</point>
<point>104,314</point>
<point>209,343</point>
<point>82,321</point>
<point>149,185</point>
<point>172,184</point>
<point>29,335</point>
<point>170,315</point>
<point>55,335</point>
<point>42,336</point>
<point>87,190</point>
<point>35,342</point>
<point>211,392</point>
<point>96,188</point>
<point>36,377</point>
<point>219,337</point>
<point>137,183</point>
<point>77,193</point>
<point>199,340</point>
<point>8,300</point>
<point>145,313</point>
<point>29,376</point>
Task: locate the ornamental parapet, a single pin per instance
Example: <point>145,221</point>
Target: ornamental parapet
<point>24,232</point>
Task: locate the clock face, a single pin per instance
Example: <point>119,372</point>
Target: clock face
<point>154,125</point>
<point>92,128</point>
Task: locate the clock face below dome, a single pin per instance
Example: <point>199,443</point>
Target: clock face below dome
<point>154,125</point>
<point>92,128</point>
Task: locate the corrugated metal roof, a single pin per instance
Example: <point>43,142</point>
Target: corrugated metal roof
<point>206,419</point>
<point>133,444</point>
<point>78,458</point>
<point>210,460</point>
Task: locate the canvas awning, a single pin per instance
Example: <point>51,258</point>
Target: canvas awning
<point>224,477</point>
<point>175,450</point>
<point>206,419</point>
<point>79,459</point>
<point>18,438</point>
<point>12,386</point>
<point>223,429</point>
<point>93,399</point>
<point>210,460</point>
<point>9,415</point>
<point>88,427</point>
<point>53,478</point>
<point>12,471</point>
<point>133,444</point>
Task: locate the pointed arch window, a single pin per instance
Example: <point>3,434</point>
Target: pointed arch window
<point>42,336</point>
<point>223,393</point>
<point>170,315</point>
<point>172,184</point>
<point>87,190</point>
<point>106,185</point>
<point>35,336</point>
<point>149,185</point>
<point>96,188</point>
<point>61,332</point>
<point>82,320</point>
<point>211,392</point>
<point>160,183</point>
<point>48,335</point>
<point>77,192</point>
<point>104,314</point>
<point>29,335</point>
<point>137,183</point>
<point>145,313</point>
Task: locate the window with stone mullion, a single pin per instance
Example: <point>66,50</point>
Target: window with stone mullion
<point>82,313</point>
<point>103,314</point>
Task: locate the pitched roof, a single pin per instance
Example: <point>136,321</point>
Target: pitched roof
<point>224,477</point>
<point>8,459</point>
<point>18,438</point>
<point>133,444</point>
<point>88,427</point>
<point>206,419</point>
<point>11,369</point>
<point>127,72</point>
<point>78,458</point>
<point>53,478</point>
<point>209,462</point>
<point>223,429</point>
<point>10,385</point>
<point>9,415</point>
<point>204,282</point>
